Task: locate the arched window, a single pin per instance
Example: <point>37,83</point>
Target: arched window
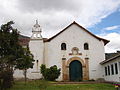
<point>63,46</point>
<point>86,46</point>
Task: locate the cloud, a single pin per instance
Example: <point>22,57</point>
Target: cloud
<point>114,43</point>
<point>54,15</point>
<point>85,12</point>
<point>112,27</point>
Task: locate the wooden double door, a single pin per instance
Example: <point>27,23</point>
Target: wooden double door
<point>75,71</point>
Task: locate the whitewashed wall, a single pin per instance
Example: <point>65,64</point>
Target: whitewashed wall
<point>115,77</point>
<point>36,47</point>
<point>50,53</point>
<point>74,36</point>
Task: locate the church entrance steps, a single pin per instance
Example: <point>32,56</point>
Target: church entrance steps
<point>82,82</point>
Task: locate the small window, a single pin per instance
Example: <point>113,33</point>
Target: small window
<point>108,70</point>
<point>37,61</point>
<point>119,66</point>
<point>105,71</point>
<point>112,69</point>
<point>86,46</point>
<point>116,68</point>
<point>63,46</point>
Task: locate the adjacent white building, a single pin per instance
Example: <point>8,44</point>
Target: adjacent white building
<point>75,50</point>
<point>111,69</point>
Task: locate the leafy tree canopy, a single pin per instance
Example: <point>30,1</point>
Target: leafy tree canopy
<point>9,44</point>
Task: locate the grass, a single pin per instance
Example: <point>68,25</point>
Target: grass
<point>43,85</point>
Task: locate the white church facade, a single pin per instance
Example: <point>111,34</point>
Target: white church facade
<point>75,50</point>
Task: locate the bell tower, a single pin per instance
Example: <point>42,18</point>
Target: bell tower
<point>36,31</point>
<point>36,46</point>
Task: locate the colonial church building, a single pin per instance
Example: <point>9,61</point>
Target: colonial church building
<point>75,50</point>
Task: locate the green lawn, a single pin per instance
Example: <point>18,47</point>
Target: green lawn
<point>37,85</point>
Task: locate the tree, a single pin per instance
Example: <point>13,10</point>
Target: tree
<point>9,53</point>
<point>51,73</point>
<point>25,62</point>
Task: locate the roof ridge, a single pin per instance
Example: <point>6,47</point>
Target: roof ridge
<point>74,22</point>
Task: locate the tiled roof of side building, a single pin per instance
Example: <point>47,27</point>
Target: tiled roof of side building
<point>111,58</point>
<point>23,36</point>
<point>24,40</point>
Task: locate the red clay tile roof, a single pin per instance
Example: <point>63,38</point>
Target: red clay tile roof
<point>104,40</point>
<point>108,60</point>
<point>24,40</point>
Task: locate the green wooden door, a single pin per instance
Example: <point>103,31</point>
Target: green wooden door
<point>75,71</point>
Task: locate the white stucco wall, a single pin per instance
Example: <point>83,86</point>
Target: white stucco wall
<point>115,77</point>
<point>74,36</point>
<point>37,49</point>
<point>50,53</point>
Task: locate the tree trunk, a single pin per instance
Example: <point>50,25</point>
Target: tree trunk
<point>1,84</point>
<point>25,75</point>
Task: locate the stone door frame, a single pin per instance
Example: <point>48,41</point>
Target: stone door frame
<point>65,68</point>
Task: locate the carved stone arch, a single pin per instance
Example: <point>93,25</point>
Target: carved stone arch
<point>75,58</point>
<point>85,67</point>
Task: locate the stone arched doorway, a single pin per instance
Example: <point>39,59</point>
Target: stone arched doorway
<point>66,65</point>
<point>75,71</point>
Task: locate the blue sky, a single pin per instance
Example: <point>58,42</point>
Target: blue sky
<point>109,28</point>
<point>112,21</point>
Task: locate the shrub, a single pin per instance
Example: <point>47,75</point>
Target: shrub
<point>51,73</point>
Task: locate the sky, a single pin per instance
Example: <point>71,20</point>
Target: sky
<point>101,17</point>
